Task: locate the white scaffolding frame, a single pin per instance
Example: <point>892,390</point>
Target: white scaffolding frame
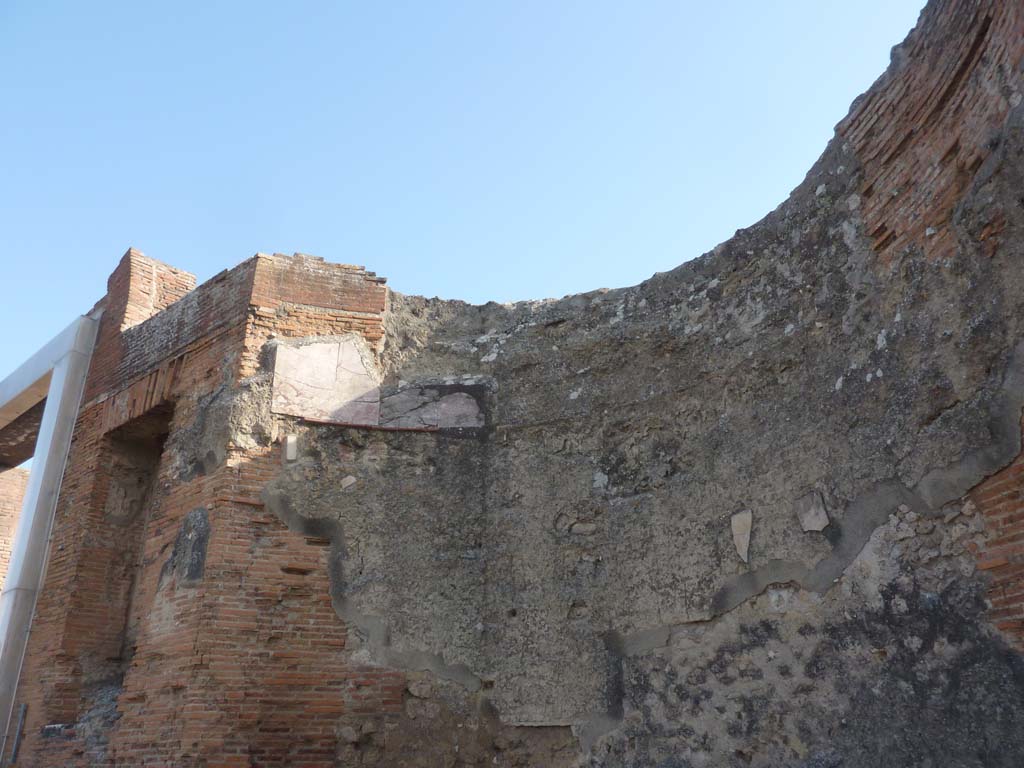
<point>56,372</point>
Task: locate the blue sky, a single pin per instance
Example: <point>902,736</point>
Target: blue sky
<point>476,150</point>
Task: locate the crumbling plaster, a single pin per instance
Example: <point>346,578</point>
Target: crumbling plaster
<point>581,540</point>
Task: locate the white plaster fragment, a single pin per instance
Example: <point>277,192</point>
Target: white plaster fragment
<point>880,340</point>
<point>347,482</point>
<point>820,190</point>
<point>291,447</point>
<point>811,512</point>
<point>574,394</point>
<point>741,523</point>
<point>839,383</point>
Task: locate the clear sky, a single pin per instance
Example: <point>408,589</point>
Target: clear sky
<point>485,149</point>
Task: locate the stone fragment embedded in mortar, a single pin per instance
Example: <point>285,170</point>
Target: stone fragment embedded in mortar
<point>741,524</point>
<point>810,510</point>
<point>338,380</point>
<point>291,447</point>
<point>327,380</point>
<point>423,405</point>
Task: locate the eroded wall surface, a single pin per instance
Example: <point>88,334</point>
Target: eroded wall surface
<point>762,510</point>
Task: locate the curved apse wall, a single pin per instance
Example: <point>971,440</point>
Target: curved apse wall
<point>761,510</point>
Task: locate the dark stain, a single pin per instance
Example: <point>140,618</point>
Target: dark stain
<point>188,558</point>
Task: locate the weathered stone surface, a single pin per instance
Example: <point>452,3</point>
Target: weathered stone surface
<point>434,406</point>
<point>337,380</point>
<point>624,428</point>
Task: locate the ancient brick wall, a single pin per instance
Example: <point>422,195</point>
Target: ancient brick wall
<point>131,344</point>
<point>78,648</point>
<point>12,490</point>
<point>923,131</point>
<point>141,287</point>
<point>133,659</point>
<point>555,581</point>
<point>18,439</point>
<point>305,296</point>
<point>1000,501</point>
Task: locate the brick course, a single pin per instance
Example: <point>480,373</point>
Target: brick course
<point>1000,500</point>
<point>12,489</point>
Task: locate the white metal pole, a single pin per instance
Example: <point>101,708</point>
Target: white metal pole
<point>31,539</point>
